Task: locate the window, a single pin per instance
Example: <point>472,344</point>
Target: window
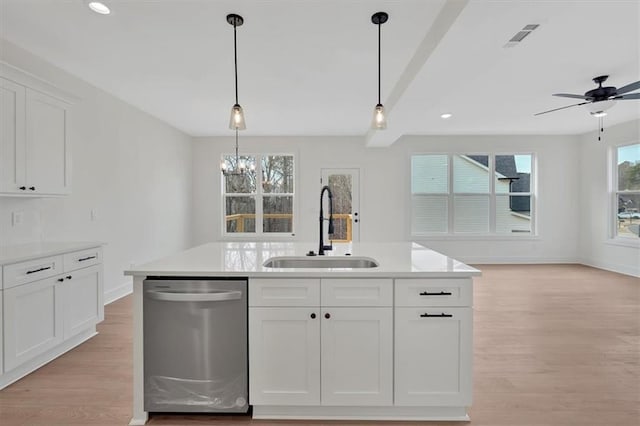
<point>627,191</point>
<point>471,194</point>
<point>260,201</point>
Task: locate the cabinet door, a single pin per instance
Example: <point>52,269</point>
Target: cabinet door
<point>284,356</point>
<point>48,156</point>
<point>12,143</point>
<point>32,320</point>
<point>82,300</point>
<point>357,356</point>
<point>433,356</point>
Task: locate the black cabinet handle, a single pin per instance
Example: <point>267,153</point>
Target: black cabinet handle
<point>33,188</point>
<point>23,188</point>
<point>313,316</point>
<point>69,277</point>
<point>60,279</point>
<point>442,293</point>
<point>327,315</point>
<point>442,315</point>
<point>38,270</point>
<point>86,258</point>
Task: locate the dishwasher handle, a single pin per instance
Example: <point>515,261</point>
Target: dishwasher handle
<point>214,296</point>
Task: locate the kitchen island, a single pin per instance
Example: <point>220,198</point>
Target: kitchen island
<point>391,342</point>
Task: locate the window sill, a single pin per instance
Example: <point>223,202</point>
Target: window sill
<point>624,242</point>
<point>488,237</point>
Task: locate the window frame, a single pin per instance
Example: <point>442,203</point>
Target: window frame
<point>259,196</point>
<point>614,192</point>
<point>450,194</point>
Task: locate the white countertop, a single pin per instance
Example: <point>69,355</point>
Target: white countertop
<point>22,252</point>
<point>246,258</point>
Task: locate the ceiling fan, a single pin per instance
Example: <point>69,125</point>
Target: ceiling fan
<point>600,99</point>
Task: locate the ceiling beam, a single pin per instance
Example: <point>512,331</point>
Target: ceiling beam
<point>441,25</point>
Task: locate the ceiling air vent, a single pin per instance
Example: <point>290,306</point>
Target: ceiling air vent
<point>521,35</point>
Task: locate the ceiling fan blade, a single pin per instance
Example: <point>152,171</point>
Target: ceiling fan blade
<point>627,97</point>
<point>569,95</point>
<point>564,107</point>
<point>628,88</point>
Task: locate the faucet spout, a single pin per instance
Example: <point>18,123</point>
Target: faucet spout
<point>322,247</point>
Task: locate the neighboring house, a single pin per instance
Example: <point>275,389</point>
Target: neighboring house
<point>514,216</point>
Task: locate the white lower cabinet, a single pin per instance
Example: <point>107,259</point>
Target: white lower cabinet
<point>320,355</point>
<point>83,305</point>
<point>47,309</point>
<point>357,356</point>
<point>32,320</point>
<point>284,356</point>
<point>433,353</point>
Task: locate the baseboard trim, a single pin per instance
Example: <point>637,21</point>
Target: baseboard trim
<point>118,293</point>
<point>620,269</point>
<point>394,413</point>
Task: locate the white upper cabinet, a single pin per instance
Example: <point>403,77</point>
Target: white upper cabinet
<point>35,156</point>
<point>48,157</point>
<point>12,141</point>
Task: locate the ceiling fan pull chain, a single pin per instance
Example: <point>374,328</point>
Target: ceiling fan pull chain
<point>600,128</point>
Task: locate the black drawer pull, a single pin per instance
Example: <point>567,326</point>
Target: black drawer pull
<point>38,270</point>
<point>86,258</point>
<point>68,277</point>
<point>60,279</point>
<point>23,188</point>
<point>32,188</point>
<point>442,293</point>
<point>442,315</point>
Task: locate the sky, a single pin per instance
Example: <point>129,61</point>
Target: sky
<point>629,153</point>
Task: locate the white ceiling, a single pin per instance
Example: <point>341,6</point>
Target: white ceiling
<point>309,67</point>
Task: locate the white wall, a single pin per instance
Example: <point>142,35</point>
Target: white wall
<point>385,189</point>
<point>597,248</point>
<point>133,170</point>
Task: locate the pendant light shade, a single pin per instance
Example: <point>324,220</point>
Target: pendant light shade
<point>379,117</point>
<point>237,120</point>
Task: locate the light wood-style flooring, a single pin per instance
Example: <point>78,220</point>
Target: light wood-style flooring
<point>553,345</point>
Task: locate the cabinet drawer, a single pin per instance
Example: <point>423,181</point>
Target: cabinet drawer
<point>82,259</point>
<point>434,292</point>
<point>356,292</point>
<point>284,292</point>
<point>25,272</point>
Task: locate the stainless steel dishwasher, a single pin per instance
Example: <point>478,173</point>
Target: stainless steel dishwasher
<point>195,345</point>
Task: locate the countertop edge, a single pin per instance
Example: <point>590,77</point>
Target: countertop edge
<point>328,273</point>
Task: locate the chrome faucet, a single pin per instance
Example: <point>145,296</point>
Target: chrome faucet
<point>322,247</point>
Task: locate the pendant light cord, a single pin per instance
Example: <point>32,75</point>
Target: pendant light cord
<point>235,59</point>
<point>379,53</point>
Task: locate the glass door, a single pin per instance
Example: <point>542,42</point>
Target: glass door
<point>345,187</point>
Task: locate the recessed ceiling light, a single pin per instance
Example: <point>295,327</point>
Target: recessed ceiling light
<point>446,115</point>
<point>99,7</point>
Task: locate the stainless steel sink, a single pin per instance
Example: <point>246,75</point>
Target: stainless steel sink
<point>320,262</point>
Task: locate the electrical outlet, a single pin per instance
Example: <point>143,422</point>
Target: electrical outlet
<point>17,218</point>
<point>94,215</point>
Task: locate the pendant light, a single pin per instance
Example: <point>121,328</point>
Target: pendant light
<point>237,114</point>
<point>379,118</point>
